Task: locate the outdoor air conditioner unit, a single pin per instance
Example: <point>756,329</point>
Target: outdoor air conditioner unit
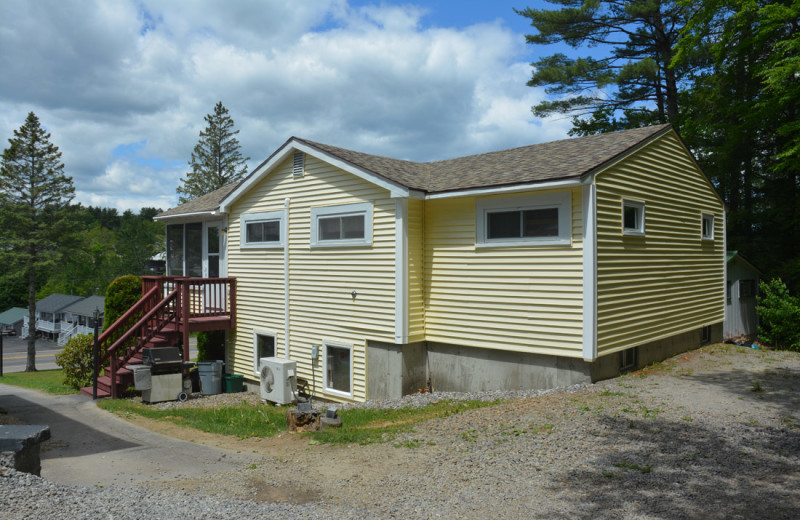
<point>278,381</point>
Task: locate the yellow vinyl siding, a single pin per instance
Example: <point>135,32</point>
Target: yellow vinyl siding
<point>416,271</point>
<point>668,281</point>
<point>321,278</point>
<point>522,298</point>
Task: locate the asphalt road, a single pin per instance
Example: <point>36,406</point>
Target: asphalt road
<point>91,447</point>
<point>15,353</point>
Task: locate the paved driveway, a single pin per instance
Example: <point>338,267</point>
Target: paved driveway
<point>89,446</point>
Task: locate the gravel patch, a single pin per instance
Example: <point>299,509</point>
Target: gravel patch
<point>710,434</point>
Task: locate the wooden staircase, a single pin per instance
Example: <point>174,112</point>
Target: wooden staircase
<point>170,308</point>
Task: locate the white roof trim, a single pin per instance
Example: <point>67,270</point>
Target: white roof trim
<point>538,186</point>
<point>210,213</point>
<point>288,149</point>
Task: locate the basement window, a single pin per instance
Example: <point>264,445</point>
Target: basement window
<point>338,369</point>
<point>262,229</point>
<point>263,346</point>
<point>628,360</point>
<point>633,217</point>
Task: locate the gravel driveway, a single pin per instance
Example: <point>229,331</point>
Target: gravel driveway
<point>710,434</point>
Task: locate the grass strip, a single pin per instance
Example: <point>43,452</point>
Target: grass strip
<point>361,426</point>
<point>50,381</point>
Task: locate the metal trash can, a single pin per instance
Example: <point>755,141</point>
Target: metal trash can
<point>210,377</point>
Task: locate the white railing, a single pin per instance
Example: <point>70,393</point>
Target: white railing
<point>69,331</point>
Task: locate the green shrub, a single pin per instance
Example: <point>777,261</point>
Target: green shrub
<point>779,316</point>
<point>76,361</point>
<point>121,295</point>
<point>211,345</point>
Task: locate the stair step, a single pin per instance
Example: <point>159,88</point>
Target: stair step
<point>89,391</point>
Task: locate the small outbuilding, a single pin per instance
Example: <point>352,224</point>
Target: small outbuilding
<point>12,320</point>
<point>741,318</point>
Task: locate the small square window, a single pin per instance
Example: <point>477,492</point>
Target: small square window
<point>707,232</point>
<point>339,369</point>
<point>633,217</point>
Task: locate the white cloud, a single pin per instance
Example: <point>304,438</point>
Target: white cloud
<point>101,75</point>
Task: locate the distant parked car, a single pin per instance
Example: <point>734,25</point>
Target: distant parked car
<point>10,331</point>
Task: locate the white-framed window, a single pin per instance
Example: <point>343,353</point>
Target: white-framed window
<point>343,225</point>
<point>263,346</point>
<point>707,226</point>
<point>262,229</point>
<point>633,212</point>
<point>338,369</point>
<point>538,219</point>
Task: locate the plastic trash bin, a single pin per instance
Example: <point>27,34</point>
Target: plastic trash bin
<point>232,383</point>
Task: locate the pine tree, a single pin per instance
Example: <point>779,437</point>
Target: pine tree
<point>634,85</point>
<point>35,211</point>
<point>216,159</point>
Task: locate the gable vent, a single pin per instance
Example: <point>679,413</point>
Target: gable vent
<point>297,166</point>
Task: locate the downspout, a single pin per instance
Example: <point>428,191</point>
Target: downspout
<point>285,232</point>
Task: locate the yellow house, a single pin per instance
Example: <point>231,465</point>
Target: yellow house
<point>535,267</point>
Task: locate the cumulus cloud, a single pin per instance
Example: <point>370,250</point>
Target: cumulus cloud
<point>110,77</point>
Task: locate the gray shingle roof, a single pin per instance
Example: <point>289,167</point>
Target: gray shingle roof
<point>56,302</point>
<point>206,203</point>
<point>13,315</point>
<point>87,306</point>
<point>556,160</point>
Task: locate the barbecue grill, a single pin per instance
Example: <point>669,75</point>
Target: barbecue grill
<point>160,376</point>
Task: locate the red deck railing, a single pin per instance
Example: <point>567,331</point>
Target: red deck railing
<point>167,300</point>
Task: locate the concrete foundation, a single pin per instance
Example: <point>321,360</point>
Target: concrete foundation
<point>397,370</point>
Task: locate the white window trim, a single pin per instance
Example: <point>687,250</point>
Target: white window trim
<point>560,200</point>
<point>256,357</point>
<point>703,217</point>
<point>248,218</point>
<point>640,229</point>
<point>325,384</point>
<point>343,210</point>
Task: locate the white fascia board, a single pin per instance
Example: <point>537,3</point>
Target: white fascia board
<point>589,271</point>
<point>292,146</point>
<point>538,186</point>
<point>189,216</point>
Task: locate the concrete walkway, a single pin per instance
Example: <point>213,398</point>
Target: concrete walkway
<point>89,446</point>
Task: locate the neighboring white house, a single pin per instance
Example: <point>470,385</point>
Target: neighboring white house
<point>50,314</point>
<point>740,297</point>
<point>79,318</point>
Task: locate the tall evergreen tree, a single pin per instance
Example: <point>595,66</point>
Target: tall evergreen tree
<point>35,211</point>
<point>216,159</point>
<point>634,85</point>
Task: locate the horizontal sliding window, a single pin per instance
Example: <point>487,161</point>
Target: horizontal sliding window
<point>539,219</point>
<point>262,229</point>
<point>345,225</point>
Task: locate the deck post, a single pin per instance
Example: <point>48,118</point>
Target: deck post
<point>186,309</point>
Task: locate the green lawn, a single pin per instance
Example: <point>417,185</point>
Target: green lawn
<point>49,381</point>
<point>245,420</point>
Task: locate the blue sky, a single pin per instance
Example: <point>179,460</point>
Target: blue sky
<point>123,86</point>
